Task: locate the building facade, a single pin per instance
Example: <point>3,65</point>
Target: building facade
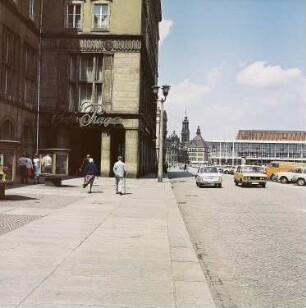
<point>19,41</point>
<point>99,61</point>
<point>198,150</point>
<point>259,147</point>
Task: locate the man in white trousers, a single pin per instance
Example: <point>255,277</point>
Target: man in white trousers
<point>120,172</point>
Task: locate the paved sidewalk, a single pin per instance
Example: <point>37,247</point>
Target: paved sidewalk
<point>62,247</point>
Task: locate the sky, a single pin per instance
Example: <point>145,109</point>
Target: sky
<point>233,64</point>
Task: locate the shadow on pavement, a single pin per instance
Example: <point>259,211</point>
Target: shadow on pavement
<point>179,174</point>
<point>16,198</point>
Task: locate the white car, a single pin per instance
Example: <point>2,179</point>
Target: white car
<point>300,178</point>
<point>208,176</point>
<point>287,177</point>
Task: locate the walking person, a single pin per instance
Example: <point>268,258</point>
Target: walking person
<point>36,168</point>
<point>120,173</point>
<point>22,168</point>
<point>91,171</point>
<point>29,168</point>
<point>83,166</point>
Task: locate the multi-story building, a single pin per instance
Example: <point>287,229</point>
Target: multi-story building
<point>260,147</point>
<point>99,61</point>
<point>198,149</point>
<point>19,42</point>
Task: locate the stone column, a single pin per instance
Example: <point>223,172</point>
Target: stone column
<point>131,152</point>
<point>105,154</point>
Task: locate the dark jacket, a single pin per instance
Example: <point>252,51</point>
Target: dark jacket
<point>91,169</point>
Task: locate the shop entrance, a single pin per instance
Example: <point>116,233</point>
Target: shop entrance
<point>83,142</point>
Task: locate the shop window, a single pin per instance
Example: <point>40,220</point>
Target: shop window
<point>7,130</point>
<point>74,15</point>
<point>100,19</point>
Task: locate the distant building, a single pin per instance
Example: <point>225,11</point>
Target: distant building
<point>260,147</point>
<point>198,149</point>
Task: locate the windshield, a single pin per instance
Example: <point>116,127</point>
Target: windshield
<point>208,170</point>
<point>251,169</point>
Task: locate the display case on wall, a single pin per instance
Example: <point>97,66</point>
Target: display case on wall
<point>8,153</point>
<point>54,161</point>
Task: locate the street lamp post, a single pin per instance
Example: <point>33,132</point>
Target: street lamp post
<point>155,90</point>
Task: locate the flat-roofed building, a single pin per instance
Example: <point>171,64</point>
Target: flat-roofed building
<point>260,147</point>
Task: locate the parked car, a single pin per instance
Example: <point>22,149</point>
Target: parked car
<point>208,176</point>
<point>281,166</point>
<point>300,178</point>
<point>286,177</point>
<point>250,175</point>
<point>228,169</point>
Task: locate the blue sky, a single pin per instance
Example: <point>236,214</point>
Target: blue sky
<point>234,64</point>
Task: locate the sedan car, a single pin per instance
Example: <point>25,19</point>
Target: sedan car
<point>287,177</point>
<point>300,179</point>
<point>208,176</point>
<point>246,175</point>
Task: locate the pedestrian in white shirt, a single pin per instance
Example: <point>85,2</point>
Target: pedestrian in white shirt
<point>120,172</point>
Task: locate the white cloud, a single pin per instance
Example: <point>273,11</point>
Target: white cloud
<point>214,76</point>
<point>259,74</point>
<point>222,108</point>
<point>164,30</point>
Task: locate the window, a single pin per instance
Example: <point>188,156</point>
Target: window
<point>11,65</point>
<point>32,9</point>
<point>86,80</point>
<point>7,130</point>
<point>100,17</point>
<point>74,16</point>
<point>30,76</point>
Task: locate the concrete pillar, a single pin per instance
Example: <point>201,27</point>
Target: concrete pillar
<point>131,152</point>
<point>105,154</point>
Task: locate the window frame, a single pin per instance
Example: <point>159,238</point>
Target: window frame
<point>32,11</point>
<point>76,82</point>
<point>74,3</point>
<point>102,28</point>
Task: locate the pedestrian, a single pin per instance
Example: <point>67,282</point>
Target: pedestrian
<point>29,168</point>
<point>91,171</point>
<point>83,165</point>
<point>120,173</point>
<point>36,168</point>
<point>22,168</point>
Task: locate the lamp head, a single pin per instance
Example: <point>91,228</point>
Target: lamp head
<point>155,89</point>
<point>165,89</point>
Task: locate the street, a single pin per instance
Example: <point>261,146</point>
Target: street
<point>250,241</point>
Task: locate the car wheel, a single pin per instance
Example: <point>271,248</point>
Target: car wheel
<point>197,184</point>
<point>263,185</point>
<point>300,182</point>
<point>273,177</point>
<point>220,185</point>
<point>225,172</point>
<point>236,183</point>
<point>283,180</point>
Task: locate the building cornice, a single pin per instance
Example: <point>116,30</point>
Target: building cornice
<point>93,43</point>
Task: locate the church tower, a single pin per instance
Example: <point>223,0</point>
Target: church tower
<point>185,134</point>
